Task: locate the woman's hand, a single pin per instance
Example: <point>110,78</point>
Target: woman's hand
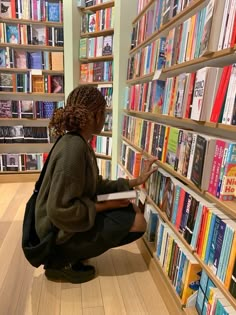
<point>147,171</point>
<point>111,204</point>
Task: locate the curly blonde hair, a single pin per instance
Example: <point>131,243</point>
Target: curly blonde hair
<point>82,103</point>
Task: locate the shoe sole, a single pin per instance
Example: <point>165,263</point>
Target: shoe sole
<point>59,275</point>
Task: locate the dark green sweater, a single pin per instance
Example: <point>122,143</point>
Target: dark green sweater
<point>68,193</point>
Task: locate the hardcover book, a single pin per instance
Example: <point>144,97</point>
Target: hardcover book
<point>130,194</point>
<point>198,160</point>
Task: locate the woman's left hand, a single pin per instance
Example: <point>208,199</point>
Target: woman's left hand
<point>147,171</point>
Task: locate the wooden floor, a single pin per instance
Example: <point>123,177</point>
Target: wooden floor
<point>123,284</point>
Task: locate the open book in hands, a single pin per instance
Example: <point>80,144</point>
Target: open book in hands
<point>130,194</point>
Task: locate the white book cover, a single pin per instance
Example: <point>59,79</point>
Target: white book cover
<point>224,23</point>
<point>198,93</point>
<point>232,96</point>
<point>99,46</point>
<point>230,24</point>
<point>130,194</point>
<point>190,164</point>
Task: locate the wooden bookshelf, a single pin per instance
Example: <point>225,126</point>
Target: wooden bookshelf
<point>189,11</point>
<point>96,83</point>
<point>29,96</point>
<point>219,58</point>
<point>25,119</point>
<point>105,134</point>
<point>109,31</point>
<point>96,59</point>
<point>141,79</point>
<point>180,121</point>
<point>143,11</point>
<point>32,47</point>
<point>102,156</point>
<point>98,7</point>
<point>19,177</point>
<point>170,298</point>
<point>228,207</point>
<point>24,21</point>
<point>20,70</point>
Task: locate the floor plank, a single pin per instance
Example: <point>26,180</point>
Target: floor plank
<point>123,284</point>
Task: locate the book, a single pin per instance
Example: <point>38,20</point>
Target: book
<point>107,45</point>
<point>53,11</point>
<point>130,194</point>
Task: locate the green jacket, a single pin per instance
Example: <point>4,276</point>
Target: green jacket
<point>68,193</point>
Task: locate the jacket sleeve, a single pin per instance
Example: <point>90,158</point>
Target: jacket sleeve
<point>67,208</point>
<point>105,186</point>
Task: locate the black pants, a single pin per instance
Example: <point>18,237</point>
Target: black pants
<point>111,229</point>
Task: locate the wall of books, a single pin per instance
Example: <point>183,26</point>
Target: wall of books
<point>31,81</point>
<point>180,107</point>
<point>96,66</point>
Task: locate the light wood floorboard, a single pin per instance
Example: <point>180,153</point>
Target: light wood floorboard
<point>123,284</point>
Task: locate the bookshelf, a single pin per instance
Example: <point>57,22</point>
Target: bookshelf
<point>39,35</point>
<point>121,37</point>
<point>225,56</point>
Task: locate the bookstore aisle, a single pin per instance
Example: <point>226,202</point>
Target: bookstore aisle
<point>123,284</point>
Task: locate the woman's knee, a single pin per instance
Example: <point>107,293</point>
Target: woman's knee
<point>139,224</point>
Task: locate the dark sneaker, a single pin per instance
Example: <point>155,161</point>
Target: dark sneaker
<point>80,274</point>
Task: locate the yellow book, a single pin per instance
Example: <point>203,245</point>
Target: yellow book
<point>192,275</point>
<point>190,38</point>
<point>169,249</point>
<point>137,134</point>
<point>209,216</point>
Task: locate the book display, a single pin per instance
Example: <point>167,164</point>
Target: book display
<point>179,106</point>
<point>31,83</point>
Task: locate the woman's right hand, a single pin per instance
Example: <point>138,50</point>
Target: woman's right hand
<point>111,204</point>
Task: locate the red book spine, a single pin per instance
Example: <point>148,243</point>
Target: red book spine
<point>233,37</point>
<point>190,95</point>
<point>219,99</point>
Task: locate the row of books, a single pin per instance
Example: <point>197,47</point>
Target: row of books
<point>205,160</point>
<point>104,167</point>
<point>210,300</point>
<point>20,162</point>
<point>178,264</point>
<point>96,47</point>
<point>130,159</point>
<point>96,72</point>
<point>99,21</point>
<point>205,95</point>
<point>29,83</point>
<point>107,92</point>
<point>209,232</point>
<point>24,134</point>
<point>147,59</point>
<point>21,59</point>
<point>28,109</point>
<point>212,28</point>
<point>36,10</point>
<point>32,34</point>
<point>102,145</point>
<point>156,16</point>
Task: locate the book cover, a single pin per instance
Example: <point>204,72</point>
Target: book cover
<point>5,109</point>
<point>228,187</point>
<point>26,109</point>
<point>20,59</point>
<point>5,10</point>
<point>38,35</point>
<point>12,34</point>
<point>198,160</point>
<point>2,57</point>
<point>172,147</point>
<point>207,27</point>
<point>35,60</point>
<point>31,162</point>
<point>198,93</point>
<point>130,194</point>
<point>57,84</point>
<point>191,221</point>
<point>107,45</point>
<point>6,82</point>
<point>98,71</point>
<point>158,88</point>
<point>91,22</point>
<point>232,287</point>
<point>53,11</point>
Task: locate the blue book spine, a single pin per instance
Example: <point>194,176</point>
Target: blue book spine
<point>176,203</point>
<point>213,242</point>
<point>161,56</point>
<point>228,246</point>
<point>223,252</point>
<point>159,241</point>
<point>159,16</point>
<point>218,244</point>
<point>186,206</point>
<point>193,243</point>
<point>210,235</point>
<point>180,273</point>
